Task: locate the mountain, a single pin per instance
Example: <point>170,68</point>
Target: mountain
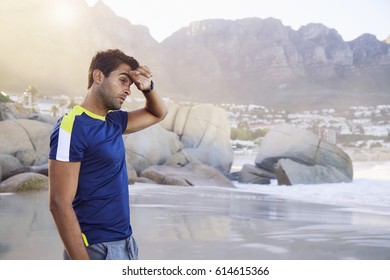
<point>40,47</point>
<point>263,61</point>
<point>250,60</point>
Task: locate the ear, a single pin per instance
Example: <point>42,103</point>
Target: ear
<point>98,76</point>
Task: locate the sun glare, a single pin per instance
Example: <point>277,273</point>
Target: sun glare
<point>91,2</point>
<point>64,13</point>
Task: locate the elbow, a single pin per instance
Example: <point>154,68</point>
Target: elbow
<point>58,206</point>
<point>160,114</point>
<point>54,207</point>
<point>163,114</point>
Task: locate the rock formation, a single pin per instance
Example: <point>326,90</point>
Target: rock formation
<point>275,65</point>
<point>297,156</point>
<point>192,174</point>
<point>24,143</point>
<point>204,132</point>
<point>24,182</point>
<point>250,60</point>
<point>151,146</point>
<point>195,151</point>
<point>11,111</point>
<point>250,174</point>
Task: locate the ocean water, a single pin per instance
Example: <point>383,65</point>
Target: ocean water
<point>321,222</point>
<point>325,221</point>
<point>368,192</point>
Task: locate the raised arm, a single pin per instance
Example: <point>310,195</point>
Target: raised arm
<point>155,109</point>
<point>63,181</point>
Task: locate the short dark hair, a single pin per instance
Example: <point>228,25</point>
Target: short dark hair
<point>107,61</point>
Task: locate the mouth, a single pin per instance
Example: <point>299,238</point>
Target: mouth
<point>122,98</point>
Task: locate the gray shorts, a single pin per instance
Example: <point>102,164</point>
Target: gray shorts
<point>125,249</point>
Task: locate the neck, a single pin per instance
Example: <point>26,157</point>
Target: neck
<point>93,104</point>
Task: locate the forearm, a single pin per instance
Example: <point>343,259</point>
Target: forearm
<point>63,178</point>
<point>154,110</point>
<point>69,230</point>
<point>155,105</point>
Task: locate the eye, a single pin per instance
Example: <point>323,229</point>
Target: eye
<point>125,81</point>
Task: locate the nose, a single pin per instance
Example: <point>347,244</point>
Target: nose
<point>127,91</point>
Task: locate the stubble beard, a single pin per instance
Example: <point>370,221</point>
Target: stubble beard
<point>107,100</point>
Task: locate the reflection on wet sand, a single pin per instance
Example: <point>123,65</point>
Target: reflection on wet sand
<point>209,223</point>
<point>206,223</point>
<point>27,230</point>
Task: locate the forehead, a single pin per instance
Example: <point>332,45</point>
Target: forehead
<point>122,68</point>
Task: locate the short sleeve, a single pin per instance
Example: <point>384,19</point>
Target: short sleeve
<point>118,117</point>
<point>67,141</point>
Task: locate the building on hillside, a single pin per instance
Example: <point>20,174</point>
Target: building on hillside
<point>328,135</point>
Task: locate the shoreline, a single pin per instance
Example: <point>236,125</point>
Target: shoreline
<point>209,223</point>
<point>319,222</point>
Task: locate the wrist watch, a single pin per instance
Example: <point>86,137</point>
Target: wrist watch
<point>150,88</point>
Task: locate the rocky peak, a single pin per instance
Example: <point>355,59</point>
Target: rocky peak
<point>102,9</point>
<point>36,40</point>
<point>368,50</point>
<point>270,28</point>
<point>322,49</point>
<point>262,55</point>
<point>318,33</point>
<point>249,60</point>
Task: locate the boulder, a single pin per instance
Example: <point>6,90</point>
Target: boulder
<point>251,174</point>
<point>169,121</point>
<point>41,169</point>
<point>10,166</point>
<point>26,140</point>
<point>43,118</point>
<point>12,111</point>
<point>131,174</point>
<point>150,146</point>
<point>289,172</point>
<point>25,182</point>
<point>181,158</point>
<point>192,174</point>
<point>204,131</point>
<point>303,147</point>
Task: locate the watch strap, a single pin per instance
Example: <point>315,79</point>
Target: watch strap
<point>150,88</point>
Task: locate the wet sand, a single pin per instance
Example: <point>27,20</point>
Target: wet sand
<point>209,223</point>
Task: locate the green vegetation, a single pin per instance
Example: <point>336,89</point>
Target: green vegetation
<point>246,134</point>
<point>55,110</point>
<point>376,145</point>
<point>4,97</point>
<point>34,91</point>
<point>33,184</point>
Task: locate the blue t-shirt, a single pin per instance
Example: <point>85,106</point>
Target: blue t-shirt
<point>102,198</point>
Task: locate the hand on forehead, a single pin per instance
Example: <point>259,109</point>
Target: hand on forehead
<point>142,70</point>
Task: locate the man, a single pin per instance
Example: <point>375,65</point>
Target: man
<point>88,184</point>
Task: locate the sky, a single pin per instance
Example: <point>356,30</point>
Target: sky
<point>351,18</point>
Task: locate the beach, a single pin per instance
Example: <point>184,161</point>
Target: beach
<point>348,221</point>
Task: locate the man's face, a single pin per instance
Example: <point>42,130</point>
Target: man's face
<point>116,87</point>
